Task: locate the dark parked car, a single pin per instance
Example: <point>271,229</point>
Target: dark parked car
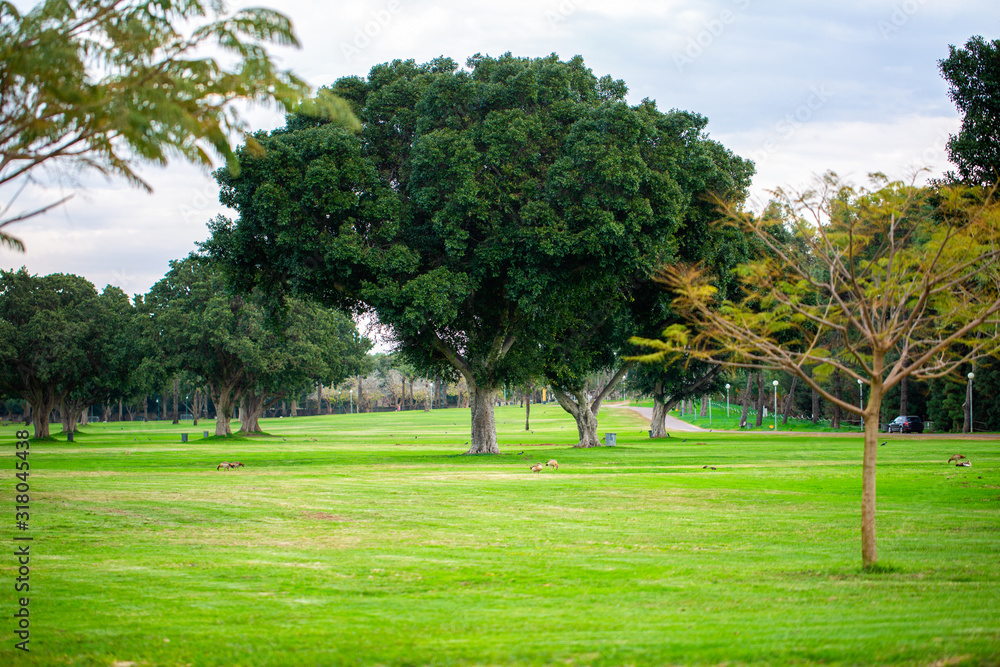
<point>906,425</point>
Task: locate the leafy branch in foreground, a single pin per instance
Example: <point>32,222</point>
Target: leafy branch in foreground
<point>880,283</point>
<point>107,84</point>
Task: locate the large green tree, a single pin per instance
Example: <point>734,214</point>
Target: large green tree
<point>243,355</point>
<point>469,212</point>
<point>58,341</point>
<point>973,74</point>
<point>107,84</point>
<point>606,304</point>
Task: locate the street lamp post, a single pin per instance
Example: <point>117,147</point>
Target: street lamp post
<point>861,401</point>
<point>727,400</point>
<point>775,383</point>
<point>971,422</point>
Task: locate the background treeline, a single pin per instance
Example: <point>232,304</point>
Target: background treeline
<point>187,348</point>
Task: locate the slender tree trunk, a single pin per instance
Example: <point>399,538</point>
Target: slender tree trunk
<point>27,413</point>
<point>815,407</point>
<point>746,402</point>
<point>965,413</point>
<point>790,399</point>
<point>177,391</point>
<point>145,408</point>
<point>196,408</point>
<point>835,421</point>
<point>527,411</point>
<point>760,398</point>
<point>704,406</point>
<point>484,430</point>
<point>904,396</point>
<point>119,411</point>
<point>869,550</point>
<point>361,394</point>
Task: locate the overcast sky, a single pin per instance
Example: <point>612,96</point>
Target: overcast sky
<point>799,87</point>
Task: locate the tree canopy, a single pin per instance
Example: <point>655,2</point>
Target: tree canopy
<point>106,84</point>
<point>228,342</point>
<point>63,344</point>
<point>973,73</point>
<point>469,211</point>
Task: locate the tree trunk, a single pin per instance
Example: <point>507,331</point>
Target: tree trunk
<point>177,391</point>
<point>361,394</point>
<point>119,411</point>
<point>576,404</point>
<point>815,406</point>
<point>196,408</point>
<point>790,400</point>
<point>69,413</point>
<point>145,409</point>
<point>835,421</point>
<point>746,402</point>
<point>223,399</point>
<point>869,550</point>
<point>657,424</point>
<point>704,406</point>
<point>527,411</point>
<point>40,421</point>
<point>904,396</point>
<point>42,402</point>
<point>965,413</point>
<point>484,430</point>
<point>760,399</point>
<point>251,409</point>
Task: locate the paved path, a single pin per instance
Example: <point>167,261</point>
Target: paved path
<point>672,423</point>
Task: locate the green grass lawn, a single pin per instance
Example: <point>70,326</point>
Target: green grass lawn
<point>370,539</point>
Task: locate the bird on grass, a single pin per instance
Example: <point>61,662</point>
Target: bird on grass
<point>684,440</point>
<point>537,467</point>
<point>553,463</point>
<point>956,457</point>
<point>883,444</point>
<point>712,467</point>
<point>964,464</point>
<point>519,453</point>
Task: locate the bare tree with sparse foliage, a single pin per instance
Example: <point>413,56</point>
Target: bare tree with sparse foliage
<point>878,284</point>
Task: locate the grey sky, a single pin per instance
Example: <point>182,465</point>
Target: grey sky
<point>800,87</point>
